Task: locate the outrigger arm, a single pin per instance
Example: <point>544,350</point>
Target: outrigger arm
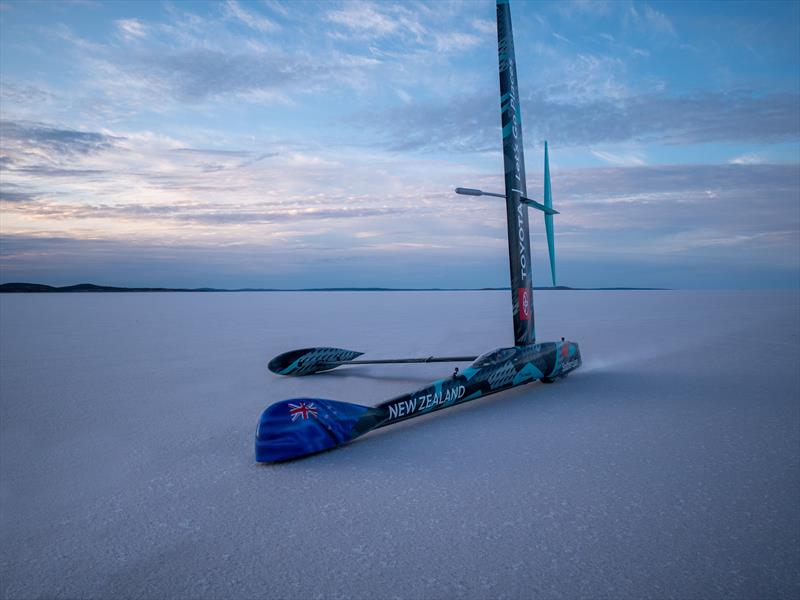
<point>307,361</point>
<point>532,203</point>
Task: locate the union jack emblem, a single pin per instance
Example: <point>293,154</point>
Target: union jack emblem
<point>302,411</point>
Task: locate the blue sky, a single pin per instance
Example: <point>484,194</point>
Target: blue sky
<point>310,144</point>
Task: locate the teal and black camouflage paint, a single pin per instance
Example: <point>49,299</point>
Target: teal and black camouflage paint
<point>302,426</point>
<point>519,247</point>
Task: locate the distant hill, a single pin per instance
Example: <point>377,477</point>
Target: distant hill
<point>28,288</point>
<point>12,288</point>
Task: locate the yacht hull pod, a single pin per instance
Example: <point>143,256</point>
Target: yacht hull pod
<point>302,426</point>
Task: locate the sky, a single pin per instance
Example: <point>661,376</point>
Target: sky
<point>317,144</point>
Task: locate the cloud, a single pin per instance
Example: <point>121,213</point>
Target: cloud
<point>456,41</point>
<point>31,137</point>
<point>214,152</point>
<point>197,74</point>
<point>197,58</point>
<point>558,36</point>
<point>658,21</point>
<point>747,159</point>
<point>625,160</point>
<point>733,199</point>
<point>65,33</point>
<point>194,75</point>
<point>10,192</point>
<point>277,7</point>
<point>485,27</point>
<point>150,185</point>
<point>649,21</point>
<point>578,8</point>
<point>198,213</point>
<point>735,218</point>
<point>193,58</point>
<point>48,171</point>
<point>378,21</point>
<point>404,96</point>
<point>615,181</point>
<point>471,123</point>
<point>255,21</point>
<point>131,29</point>
<point>731,217</point>
<point>366,19</point>
<point>24,93</point>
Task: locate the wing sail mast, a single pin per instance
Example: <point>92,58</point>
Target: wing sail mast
<point>519,247</point>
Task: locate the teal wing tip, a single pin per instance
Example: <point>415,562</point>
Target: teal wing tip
<point>548,202</point>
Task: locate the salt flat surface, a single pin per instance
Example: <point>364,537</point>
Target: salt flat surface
<point>667,467</point>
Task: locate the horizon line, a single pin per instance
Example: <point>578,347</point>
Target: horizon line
<point>27,287</point>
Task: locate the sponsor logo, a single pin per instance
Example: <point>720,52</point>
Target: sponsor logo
<point>523,255</point>
<point>515,145</point>
<point>512,108</point>
<point>568,366</point>
<point>302,411</point>
<point>524,297</point>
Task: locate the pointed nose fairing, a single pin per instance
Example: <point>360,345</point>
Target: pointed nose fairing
<point>302,426</point>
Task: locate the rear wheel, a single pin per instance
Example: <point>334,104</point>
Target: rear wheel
<point>547,380</point>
